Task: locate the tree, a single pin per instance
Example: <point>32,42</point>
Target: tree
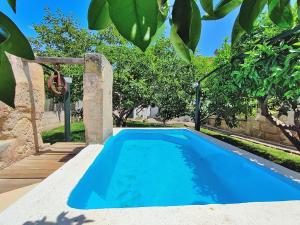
<point>268,73</point>
<point>173,84</point>
<point>133,75</point>
<point>61,36</point>
<point>157,77</point>
<point>271,75</point>
<point>142,21</point>
<point>221,97</point>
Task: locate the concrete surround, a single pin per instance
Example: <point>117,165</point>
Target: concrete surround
<point>52,119</point>
<point>47,203</point>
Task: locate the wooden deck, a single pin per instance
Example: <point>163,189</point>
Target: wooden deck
<point>35,168</point>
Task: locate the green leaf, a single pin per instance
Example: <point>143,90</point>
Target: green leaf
<point>179,46</point>
<point>13,4</point>
<point>249,11</point>
<point>3,35</point>
<point>280,13</point>
<point>161,18</point>
<point>187,20</point>
<point>237,31</point>
<point>223,8</point>
<point>297,44</point>
<point>163,10</point>
<point>195,27</point>
<point>13,42</point>
<point>136,20</point>
<point>98,15</point>
<point>208,6</point>
<point>181,17</point>
<point>298,9</point>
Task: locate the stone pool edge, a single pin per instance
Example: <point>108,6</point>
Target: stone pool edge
<point>254,158</point>
<point>49,201</point>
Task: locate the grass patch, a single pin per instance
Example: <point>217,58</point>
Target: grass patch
<point>58,134</point>
<point>288,160</point>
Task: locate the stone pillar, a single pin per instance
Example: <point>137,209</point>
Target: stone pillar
<point>21,127</point>
<point>97,98</point>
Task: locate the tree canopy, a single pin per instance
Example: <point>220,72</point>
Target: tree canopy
<point>267,74</point>
<point>157,77</point>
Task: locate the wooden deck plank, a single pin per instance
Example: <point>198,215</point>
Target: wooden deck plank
<point>37,167</point>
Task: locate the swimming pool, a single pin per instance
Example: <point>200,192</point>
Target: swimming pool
<point>174,167</point>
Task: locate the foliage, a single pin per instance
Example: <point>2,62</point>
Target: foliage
<point>139,79</point>
<point>173,83</point>
<point>222,98</point>
<point>132,74</point>
<point>271,74</point>
<point>268,73</point>
<point>138,21</point>
<point>11,41</point>
<point>157,77</point>
<point>61,36</point>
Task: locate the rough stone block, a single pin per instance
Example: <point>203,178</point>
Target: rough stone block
<point>97,98</point>
<point>23,123</point>
<point>267,127</point>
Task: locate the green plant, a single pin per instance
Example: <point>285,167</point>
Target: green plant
<point>61,36</point>
<point>268,74</point>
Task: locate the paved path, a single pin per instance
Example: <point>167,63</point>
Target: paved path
<point>37,167</point>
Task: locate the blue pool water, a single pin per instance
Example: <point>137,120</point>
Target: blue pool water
<point>161,167</point>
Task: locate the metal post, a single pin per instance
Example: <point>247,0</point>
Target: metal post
<point>67,108</point>
<point>197,107</point>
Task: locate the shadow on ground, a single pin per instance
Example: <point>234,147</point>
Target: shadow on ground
<point>61,219</point>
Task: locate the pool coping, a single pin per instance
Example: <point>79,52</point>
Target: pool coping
<point>48,201</point>
<point>254,158</point>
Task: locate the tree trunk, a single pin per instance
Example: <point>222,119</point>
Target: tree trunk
<point>285,128</point>
<point>164,122</point>
<point>119,122</point>
<point>122,117</point>
<point>297,120</point>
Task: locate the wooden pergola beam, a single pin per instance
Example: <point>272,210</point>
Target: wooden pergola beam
<point>57,60</point>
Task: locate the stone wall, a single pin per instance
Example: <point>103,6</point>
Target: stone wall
<point>20,128</point>
<point>53,116</point>
<point>258,127</point>
<point>53,119</point>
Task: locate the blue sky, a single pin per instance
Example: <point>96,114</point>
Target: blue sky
<point>31,12</point>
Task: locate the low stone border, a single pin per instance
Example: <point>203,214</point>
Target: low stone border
<point>47,204</point>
